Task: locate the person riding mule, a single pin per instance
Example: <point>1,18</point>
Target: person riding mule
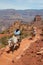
<point>14,41</point>
<point>34,31</point>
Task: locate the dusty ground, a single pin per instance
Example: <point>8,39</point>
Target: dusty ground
<point>33,55</point>
<point>29,53</point>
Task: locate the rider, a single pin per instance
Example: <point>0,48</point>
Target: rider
<point>14,41</point>
<point>34,32</point>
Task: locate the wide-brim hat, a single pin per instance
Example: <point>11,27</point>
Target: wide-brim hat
<point>16,32</point>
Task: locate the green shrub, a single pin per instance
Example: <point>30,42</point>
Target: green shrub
<point>4,40</point>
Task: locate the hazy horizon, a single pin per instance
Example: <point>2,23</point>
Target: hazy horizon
<point>20,9</point>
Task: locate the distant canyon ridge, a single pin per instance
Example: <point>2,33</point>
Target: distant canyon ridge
<point>9,16</point>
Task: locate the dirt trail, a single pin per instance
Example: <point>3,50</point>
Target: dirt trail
<point>6,58</point>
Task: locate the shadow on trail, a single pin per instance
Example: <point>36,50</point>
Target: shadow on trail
<point>13,49</point>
